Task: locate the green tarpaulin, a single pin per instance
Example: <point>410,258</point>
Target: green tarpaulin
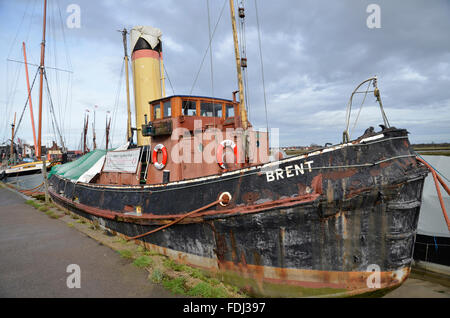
<point>75,169</point>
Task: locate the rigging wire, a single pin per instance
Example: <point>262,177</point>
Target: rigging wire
<point>210,49</point>
<point>167,74</point>
<point>360,108</point>
<point>18,30</point>
<point>211,64</point>
<point>262,67</point>
<point>16,129</point>
<point>116,103</point>
<point>68,100</point>
<point>10,94</point>
<point>206,51</point>
<point>52,111</point>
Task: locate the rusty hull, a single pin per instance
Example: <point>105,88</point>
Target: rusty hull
<point>306,234</point>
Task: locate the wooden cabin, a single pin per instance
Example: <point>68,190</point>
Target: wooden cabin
<point>191,128</point>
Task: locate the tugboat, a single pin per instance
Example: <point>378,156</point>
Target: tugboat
<point>199,187</point>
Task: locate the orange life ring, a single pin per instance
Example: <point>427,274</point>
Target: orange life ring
<point>219,153</point>
<point>163,149</point>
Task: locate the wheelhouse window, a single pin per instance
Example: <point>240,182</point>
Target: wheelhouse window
<point>229,110</point>
<point>210,109</point>
<point>167,109</point>
<point>156,111</point>
<point>189,108</point>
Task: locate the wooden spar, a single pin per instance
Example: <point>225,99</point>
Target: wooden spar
<point>86,122</point>
<point>29,98</point>
<point>108,124</point>
<point>41,82</point>
<point>124,35</point>
<point>11,152</point>
<point>93,133</point>
<point>242,109</point>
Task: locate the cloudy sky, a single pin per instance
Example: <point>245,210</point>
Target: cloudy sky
<point>314,52</point>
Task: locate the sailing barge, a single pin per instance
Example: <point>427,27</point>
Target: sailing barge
<point>313,224</point>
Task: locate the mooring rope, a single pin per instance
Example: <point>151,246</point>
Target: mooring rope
<point>438,180</point>
<point>176,221</point>
<point>31,190</point>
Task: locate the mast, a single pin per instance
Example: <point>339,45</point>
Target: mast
<point>11,152</point>
<point>41,80</point>
<point>242,109</point>
<point>93,131</point>
<point>29,98</point>
<point>124,36</point>
<point>108,125</point>
<point>86,122</point>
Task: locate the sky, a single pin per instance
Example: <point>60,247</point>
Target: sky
<point>314,54</point>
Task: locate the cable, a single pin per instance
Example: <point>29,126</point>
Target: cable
<point>209,44</point>
<point>262,72</point>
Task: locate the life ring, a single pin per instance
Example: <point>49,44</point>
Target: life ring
<point>219,153</point>
<point>163,149</point>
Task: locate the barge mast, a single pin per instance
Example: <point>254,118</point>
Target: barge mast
<point>41,81</point>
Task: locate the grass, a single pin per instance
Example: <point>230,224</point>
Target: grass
<point>434,153</point>
<point>196,273</point>
<point>121,240</point>
<point>33,203</point>
<point>143,261</point>
<point>157,276</point>
<point>173,265</point>
<point>431,147</point>
<point>43,208</point>
<point>151,253</point>
<point>125,254</point>
<point>175,285</point>
<point>204,289</point>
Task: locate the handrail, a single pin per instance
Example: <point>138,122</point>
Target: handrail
<point>376,92</point>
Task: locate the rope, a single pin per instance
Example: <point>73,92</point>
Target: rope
<point>434,168</point>
<point>175,221</point>
<point>30,190</point>
<point>436,179</point>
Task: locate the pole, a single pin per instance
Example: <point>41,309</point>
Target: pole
<point>242,109</point>
<point>11,151</point>
<point>86,122</point>
<point>44,175</point>
<point>41,80</point>
<point>124,37</point>
<point>29,98</point>
<point>108,123</point>
<point>93,132</point>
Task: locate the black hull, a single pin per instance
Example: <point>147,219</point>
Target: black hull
<point>433,249</point>
<point>290,232</point>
